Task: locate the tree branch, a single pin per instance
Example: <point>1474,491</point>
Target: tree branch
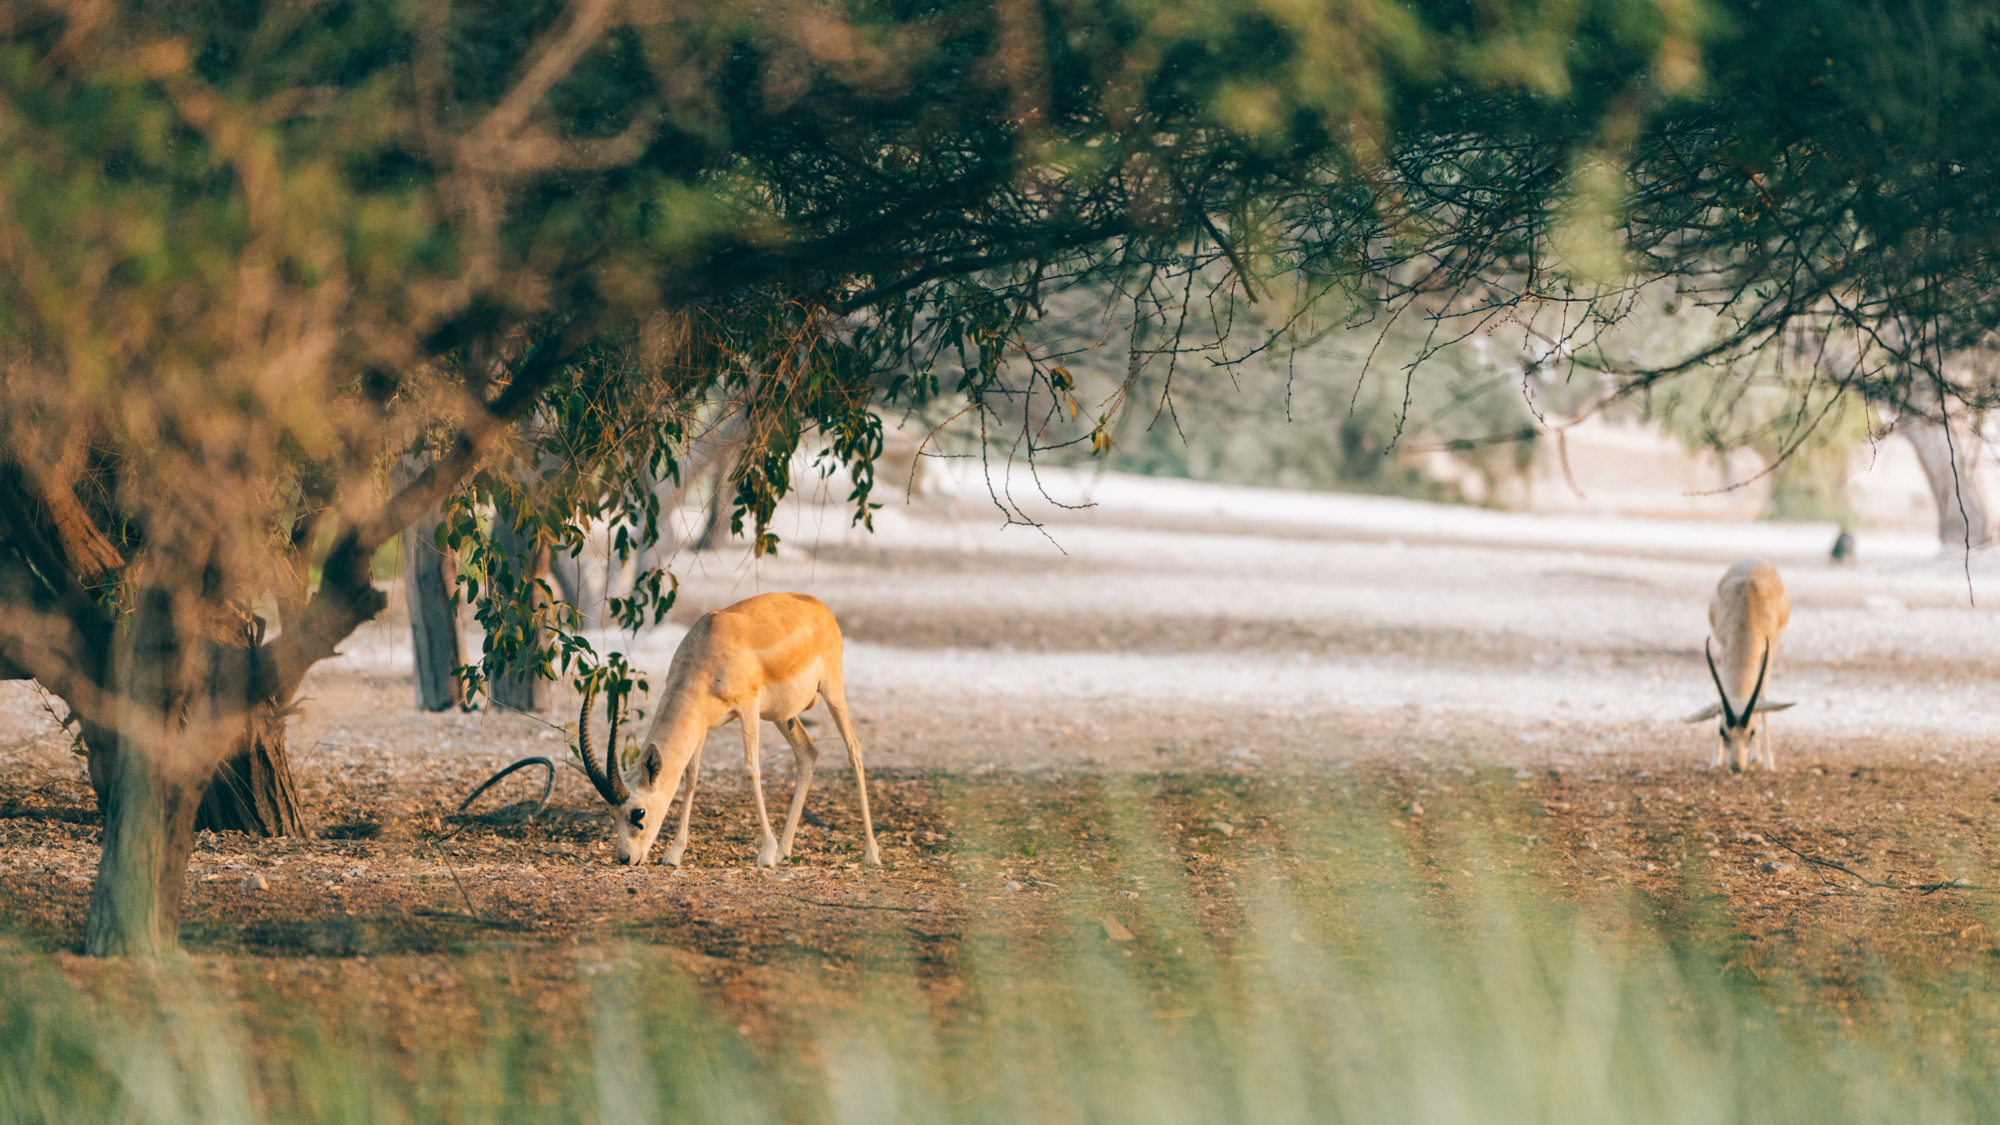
<point>346,596</point>
<point>64,608</point>
<point>90,554</point>
<point>43,646</point>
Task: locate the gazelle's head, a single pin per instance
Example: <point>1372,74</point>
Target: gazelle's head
<point>638,811</point>
<point>1738,730</point>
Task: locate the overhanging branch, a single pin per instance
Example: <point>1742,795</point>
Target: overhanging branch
<point>346,596</point>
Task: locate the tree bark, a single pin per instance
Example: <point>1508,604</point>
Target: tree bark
<point>1949,453</point>
<point>521,688</point>
<point>252,791</point>
<point>716,531</point>
<point>185,677</point>
<point>436,644</point>
<point>149,814</point>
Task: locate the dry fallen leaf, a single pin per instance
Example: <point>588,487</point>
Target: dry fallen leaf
<point>1116,932</point>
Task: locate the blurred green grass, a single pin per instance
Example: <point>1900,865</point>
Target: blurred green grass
<point>1363,989</point>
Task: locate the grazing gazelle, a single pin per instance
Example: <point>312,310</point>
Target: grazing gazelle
<point>765,657</point>
<point>1748,614</point>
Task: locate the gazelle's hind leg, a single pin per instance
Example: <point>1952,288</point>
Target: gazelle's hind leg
<point>806,755</point>
<point>767,850</point>
<point>680,843</point>
<point>834,692</point>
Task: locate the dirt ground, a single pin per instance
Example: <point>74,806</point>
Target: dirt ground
<point>1156,731</point>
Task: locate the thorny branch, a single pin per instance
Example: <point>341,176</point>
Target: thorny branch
<point>1926,888</point>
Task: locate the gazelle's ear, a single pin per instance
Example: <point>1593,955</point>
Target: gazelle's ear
<point>1767,705</point>
<point>652,763</point>
<point>1708,712</point>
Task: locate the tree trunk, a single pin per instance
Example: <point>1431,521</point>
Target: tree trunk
<point>1949,453</point>
<point>253,791</point>
<point>717,531</point>
<point>583,580</point>
<point>521,688</point>
<point>149,813</point>
<point>436,645</point>
<point>187,677</point>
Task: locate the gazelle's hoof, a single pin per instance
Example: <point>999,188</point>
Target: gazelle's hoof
<point>873,858</point>
<point>767,856</point>
<point>673,857</point>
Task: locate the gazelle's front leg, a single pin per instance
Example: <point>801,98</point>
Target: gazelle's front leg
<point>767,849</point>
<point>1764,743</point>
<point>806,756</point>
<point>680,843</point>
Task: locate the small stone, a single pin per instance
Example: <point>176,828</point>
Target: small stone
<point>1223,826</point>
<point>1012,885</point>
<point>254,882</point>
<point>1773,867</point>
<point>1648,867</point>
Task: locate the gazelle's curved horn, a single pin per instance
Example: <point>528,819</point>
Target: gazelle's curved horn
<point>1728,716</point>
<point>612,701</point>
<point>1750,708</point>
<point>612,787</point>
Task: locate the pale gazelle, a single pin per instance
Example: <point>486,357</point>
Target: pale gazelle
<point>765,657</point>
<point>1748,614</point>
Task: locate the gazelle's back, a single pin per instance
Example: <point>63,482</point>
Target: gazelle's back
<point>1748,615</point>
<point>770,638</point>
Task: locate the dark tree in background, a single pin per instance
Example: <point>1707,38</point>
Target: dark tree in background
<point>251,255</point>
<point>430,579</point>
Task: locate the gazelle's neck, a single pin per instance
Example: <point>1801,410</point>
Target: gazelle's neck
<point>678,730</point>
